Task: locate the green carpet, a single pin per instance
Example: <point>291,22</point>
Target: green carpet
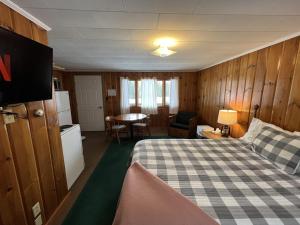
<point>97,202</point>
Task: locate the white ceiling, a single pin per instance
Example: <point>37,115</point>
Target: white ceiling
<point>119,34</point>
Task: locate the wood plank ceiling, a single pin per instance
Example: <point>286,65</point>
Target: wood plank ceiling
<point>118,34</point>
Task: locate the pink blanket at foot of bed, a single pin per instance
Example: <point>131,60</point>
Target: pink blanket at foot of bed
<point>147,200</point>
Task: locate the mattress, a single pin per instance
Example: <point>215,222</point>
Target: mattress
<point>225,179</point>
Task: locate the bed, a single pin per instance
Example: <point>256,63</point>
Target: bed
<point>225,179</point>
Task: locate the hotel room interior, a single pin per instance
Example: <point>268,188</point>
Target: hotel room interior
<point>149,112</point>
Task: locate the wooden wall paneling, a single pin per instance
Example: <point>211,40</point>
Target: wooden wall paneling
<point>259,80</point>
<point>11,205</point>
<point>6,17</point>
<point>272,64</point>
<point>39,35</point>
<point>25,162</point>
<point>268,78</point>
<point>234,88</point>
<point>284,79</point>
<point>292,118</point>
<point>200,96</point>
<point>206,96</point>
<point>228,85</point>
<point>39,133</point>
<point>223,85</point>
<point>234,83</point>
<point>244,119</point>
<point>22,25</point>
<point>56,148</point>
<point>237,131</point>
<point>41,143</point>
<point>216,99</point>
<point>218,92</point>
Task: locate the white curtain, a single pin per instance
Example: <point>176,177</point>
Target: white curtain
<point>148,96</point>
<point>124,103</point>
<point>174,96</point>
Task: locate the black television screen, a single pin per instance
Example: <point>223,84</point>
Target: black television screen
<point>25,69</point>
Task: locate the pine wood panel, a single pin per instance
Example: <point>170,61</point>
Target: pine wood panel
<point>269,78</point>
<point>292,118</point>
<point>6,17</point>
<point>41,145</point>
<point>273,63</point>
<point>11,206</point>
<point>284,79</point>
<point>25,161</point>
<point>56,148</point>
<point>259,81</point>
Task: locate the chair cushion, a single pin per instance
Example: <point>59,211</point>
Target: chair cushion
<point>184,117</point>
<point>118,127</point>
<point>139,124</point>
<point>180,126</point>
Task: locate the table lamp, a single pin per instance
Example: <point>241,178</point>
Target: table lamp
<point>227,118</point>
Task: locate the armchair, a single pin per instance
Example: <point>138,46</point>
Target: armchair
<point>183,124</point>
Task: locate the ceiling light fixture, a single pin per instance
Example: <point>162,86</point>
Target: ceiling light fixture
<point>164,44</point>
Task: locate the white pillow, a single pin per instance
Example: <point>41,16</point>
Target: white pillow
<point>254,129</point>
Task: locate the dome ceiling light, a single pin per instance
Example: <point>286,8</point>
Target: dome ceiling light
<point>163,49</point>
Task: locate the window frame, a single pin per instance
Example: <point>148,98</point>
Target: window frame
<point>137,100</point>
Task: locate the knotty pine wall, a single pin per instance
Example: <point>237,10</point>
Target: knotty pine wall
<point>111,80</point>
<point>269,77</point>
<point>31,160</point>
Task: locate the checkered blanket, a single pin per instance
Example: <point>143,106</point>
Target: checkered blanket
<point>224,178</point>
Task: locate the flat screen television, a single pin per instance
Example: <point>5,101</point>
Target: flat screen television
<point>25,69</point>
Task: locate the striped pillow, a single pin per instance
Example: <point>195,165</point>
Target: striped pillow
<point>280,148</point>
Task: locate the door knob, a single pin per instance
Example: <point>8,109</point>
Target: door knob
<point>99,107</point>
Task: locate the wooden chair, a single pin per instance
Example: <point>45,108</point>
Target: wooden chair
<point>112,128</point>
<point>142,126</point>
<point>183,125</point>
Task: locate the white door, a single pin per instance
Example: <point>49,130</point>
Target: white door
<point>89,102</point>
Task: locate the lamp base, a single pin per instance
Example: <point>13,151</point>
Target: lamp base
<point>225,131</point>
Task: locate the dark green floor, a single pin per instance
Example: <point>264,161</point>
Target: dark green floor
<point>97,202</point>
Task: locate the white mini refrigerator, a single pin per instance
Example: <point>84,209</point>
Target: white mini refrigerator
<point>70,138</point>
<point>73,153</point>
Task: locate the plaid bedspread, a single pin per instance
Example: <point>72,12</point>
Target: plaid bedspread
<point>224,178</point>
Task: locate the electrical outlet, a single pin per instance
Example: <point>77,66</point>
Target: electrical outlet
<point>36,209</point>
<point>8,118</point>
<point>38,220</point>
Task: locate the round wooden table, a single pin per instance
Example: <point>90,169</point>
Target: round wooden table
<point>130,118</point>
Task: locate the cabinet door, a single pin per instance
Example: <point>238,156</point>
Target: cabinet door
<point>73,154</point>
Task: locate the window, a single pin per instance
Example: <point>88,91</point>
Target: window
<point>162,88</point>
<point>159,92</point>
<point>167,92</point>
<point>139,92</point>
<point>132,92</point>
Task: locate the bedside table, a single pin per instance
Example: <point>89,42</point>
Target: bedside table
<point>210,135</point>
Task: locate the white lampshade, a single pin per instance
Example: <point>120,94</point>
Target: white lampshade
<point>227,117</point>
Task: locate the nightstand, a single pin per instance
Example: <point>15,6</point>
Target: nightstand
<point>210,135</point>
